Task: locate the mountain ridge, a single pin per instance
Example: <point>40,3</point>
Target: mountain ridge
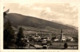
<point>39,24</point>
<point>21,17</point>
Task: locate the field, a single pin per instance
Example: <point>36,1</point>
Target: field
<point>55,45</point>
<point>60,45</point>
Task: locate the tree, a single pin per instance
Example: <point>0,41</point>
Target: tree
<point>5,13</point>
<point>65,45</point>
<point>20,38</point>
<point>68,40</point>
<point>75,39</point>
<point>53,38</point>
<point>8,34</point>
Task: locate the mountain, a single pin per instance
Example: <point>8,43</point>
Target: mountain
<point>39,24</point>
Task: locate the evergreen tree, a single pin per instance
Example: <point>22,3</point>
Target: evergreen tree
<point>20,38</point>
<point>8,34</point>
<point>5,13</point>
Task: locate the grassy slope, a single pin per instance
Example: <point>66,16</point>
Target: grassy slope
<point>36,24</point>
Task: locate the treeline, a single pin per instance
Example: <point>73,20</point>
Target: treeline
<point>10,39</point>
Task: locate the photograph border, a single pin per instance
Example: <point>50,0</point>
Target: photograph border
<point>39,50</point>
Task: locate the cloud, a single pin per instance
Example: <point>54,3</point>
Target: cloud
<point>48,9</point>
<point>62,13</point>
<point>38,8</point>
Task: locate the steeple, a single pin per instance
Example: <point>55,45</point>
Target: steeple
<point>61,34</point>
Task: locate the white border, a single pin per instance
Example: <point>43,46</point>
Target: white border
<point>35,50</point>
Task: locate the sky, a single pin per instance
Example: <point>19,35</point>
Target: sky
<point>61,12</point>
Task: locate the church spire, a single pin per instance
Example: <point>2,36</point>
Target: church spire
<point>61,34</point>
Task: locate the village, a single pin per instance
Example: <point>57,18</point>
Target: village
<point>37,40</point>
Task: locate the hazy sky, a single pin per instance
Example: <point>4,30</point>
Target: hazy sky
<point>65,13</point>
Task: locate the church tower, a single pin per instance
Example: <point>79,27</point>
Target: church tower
<point>61,35</point>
